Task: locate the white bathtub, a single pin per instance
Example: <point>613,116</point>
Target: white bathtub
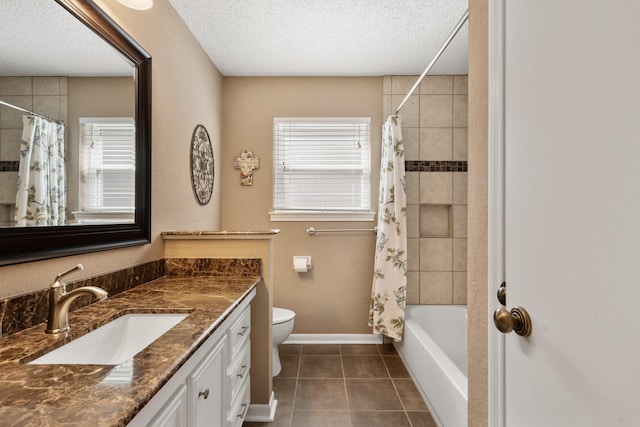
<point>434,349</point>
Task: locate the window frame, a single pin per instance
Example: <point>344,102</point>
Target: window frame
<point>337,214</point>
<point>103,213</point>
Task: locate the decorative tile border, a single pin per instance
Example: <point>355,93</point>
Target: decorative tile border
<point>436,165</point>
<point>9,165</point>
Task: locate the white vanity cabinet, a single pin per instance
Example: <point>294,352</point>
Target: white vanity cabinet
<point>212,388</point>
<point>207,403</point>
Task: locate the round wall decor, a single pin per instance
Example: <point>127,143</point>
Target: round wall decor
<point>202,167</point>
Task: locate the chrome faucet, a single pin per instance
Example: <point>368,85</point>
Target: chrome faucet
<point>60,300</point>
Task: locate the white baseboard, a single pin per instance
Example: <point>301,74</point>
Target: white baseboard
<point>334,339</point>
<point>262,413</point>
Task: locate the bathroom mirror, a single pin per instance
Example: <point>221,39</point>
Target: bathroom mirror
<point>20,243</point>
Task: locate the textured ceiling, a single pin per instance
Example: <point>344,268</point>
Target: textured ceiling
<point>327,37</point>
<point>253,38</point>
<point>40,38</point>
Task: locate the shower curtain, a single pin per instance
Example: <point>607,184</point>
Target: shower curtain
<point>388,294</point>
<point>41,196</point>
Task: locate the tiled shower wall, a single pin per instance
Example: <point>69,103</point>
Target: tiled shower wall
<point>434,130</point>
<point>44,95</point>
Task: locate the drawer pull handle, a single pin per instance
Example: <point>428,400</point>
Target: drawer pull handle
<point>243,331</point>
<point>243,371</point>
<point>245,408</point>
<point>205,394</point>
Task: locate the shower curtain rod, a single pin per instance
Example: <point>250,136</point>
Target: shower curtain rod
<point>15,107</point>
<point>459,25</point>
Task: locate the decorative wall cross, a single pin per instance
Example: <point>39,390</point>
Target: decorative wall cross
<point>247,164</point>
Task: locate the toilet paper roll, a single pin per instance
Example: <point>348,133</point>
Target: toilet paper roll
<point>300,264</point>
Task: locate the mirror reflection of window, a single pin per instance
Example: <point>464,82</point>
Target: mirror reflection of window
<point>107,169</point>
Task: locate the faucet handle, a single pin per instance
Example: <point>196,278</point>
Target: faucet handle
<point>57,282</point>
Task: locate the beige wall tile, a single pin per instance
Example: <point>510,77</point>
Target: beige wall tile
<point>8,185</point>
<point>436,287</point>
<point>16,86</point>
<point>11,118</point>
<point>413,187</point>
<point>386,85</point>
<point>436,144</point>
<point>411,142</point>
<point>460,188</point>
<point>64,108</point>
<point>63,84</point>
<point>436,188</point>
<point>437,85</point>
<point>436,111</point>
<point>400,85</point>
<point>460,86</point>
<point>459,221</point>
<point>460,111</point>
<point>47,105</point>
<point>10,144</point>
<point>410,113</point>
<point>413,221</point>
<point>435,221</point>
<point>413,254</point>
<point>460,144</point>
<point>459,254</point>
<point>413,287</point>
<point>386,106</point>
<point>459,287</point>
<point>436,254</point>
<point>46,85</point>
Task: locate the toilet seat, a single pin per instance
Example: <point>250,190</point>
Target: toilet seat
<point>282,315</point>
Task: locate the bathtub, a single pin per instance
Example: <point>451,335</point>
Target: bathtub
<point>434,349</point>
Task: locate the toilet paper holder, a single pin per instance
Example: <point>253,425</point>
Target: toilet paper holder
<point>302,264</point>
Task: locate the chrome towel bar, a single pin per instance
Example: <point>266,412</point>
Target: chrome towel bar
<point>312,230</point>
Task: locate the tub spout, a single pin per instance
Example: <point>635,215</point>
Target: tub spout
<point>60,300</point>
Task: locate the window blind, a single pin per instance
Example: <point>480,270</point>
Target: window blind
<point>322,164</point>
<point>107,164</point>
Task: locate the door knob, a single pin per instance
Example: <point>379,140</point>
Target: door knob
<point>516,320</point>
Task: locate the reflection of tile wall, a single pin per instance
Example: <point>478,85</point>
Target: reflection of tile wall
<point>434,130</point>
<point>44,95</point>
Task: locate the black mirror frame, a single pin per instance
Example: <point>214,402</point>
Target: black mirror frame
<point>25,244</point>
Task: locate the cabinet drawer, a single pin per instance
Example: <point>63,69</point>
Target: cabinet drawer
<point>240,405</point>
<point>239,369</point>
<point>239,333</point>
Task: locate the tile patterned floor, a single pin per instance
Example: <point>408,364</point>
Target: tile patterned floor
<point>345,386</point>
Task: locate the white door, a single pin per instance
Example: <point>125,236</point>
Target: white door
<point>565,119</point>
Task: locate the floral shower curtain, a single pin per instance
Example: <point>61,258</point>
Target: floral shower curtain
<point>388,294</point>
<point>41,197</point>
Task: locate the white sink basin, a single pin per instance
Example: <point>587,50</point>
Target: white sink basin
<point>113,343</point>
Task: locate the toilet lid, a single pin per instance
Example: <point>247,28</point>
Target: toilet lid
<point>281,315</point>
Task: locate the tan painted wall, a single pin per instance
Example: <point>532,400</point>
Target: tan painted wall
<point>187,90</point>
<point>477,287</point>
<point>92,97</point>
<point>334,296</point>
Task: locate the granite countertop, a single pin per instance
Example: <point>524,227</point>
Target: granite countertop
<point>54,395</point>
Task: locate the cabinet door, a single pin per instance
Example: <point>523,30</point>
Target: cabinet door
<point>174,412</point>
<point>206,389</point>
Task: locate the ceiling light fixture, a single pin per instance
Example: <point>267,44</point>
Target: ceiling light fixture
<point>137,4</point>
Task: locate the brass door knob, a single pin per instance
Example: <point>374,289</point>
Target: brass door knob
<point>516,320</point>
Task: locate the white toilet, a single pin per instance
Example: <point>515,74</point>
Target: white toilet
<point>282,327</point>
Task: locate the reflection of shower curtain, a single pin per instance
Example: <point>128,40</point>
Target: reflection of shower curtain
<point>41,197</point>
<point>388,293</point>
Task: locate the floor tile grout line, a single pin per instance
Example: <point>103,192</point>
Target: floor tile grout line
<point>295,388</point>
